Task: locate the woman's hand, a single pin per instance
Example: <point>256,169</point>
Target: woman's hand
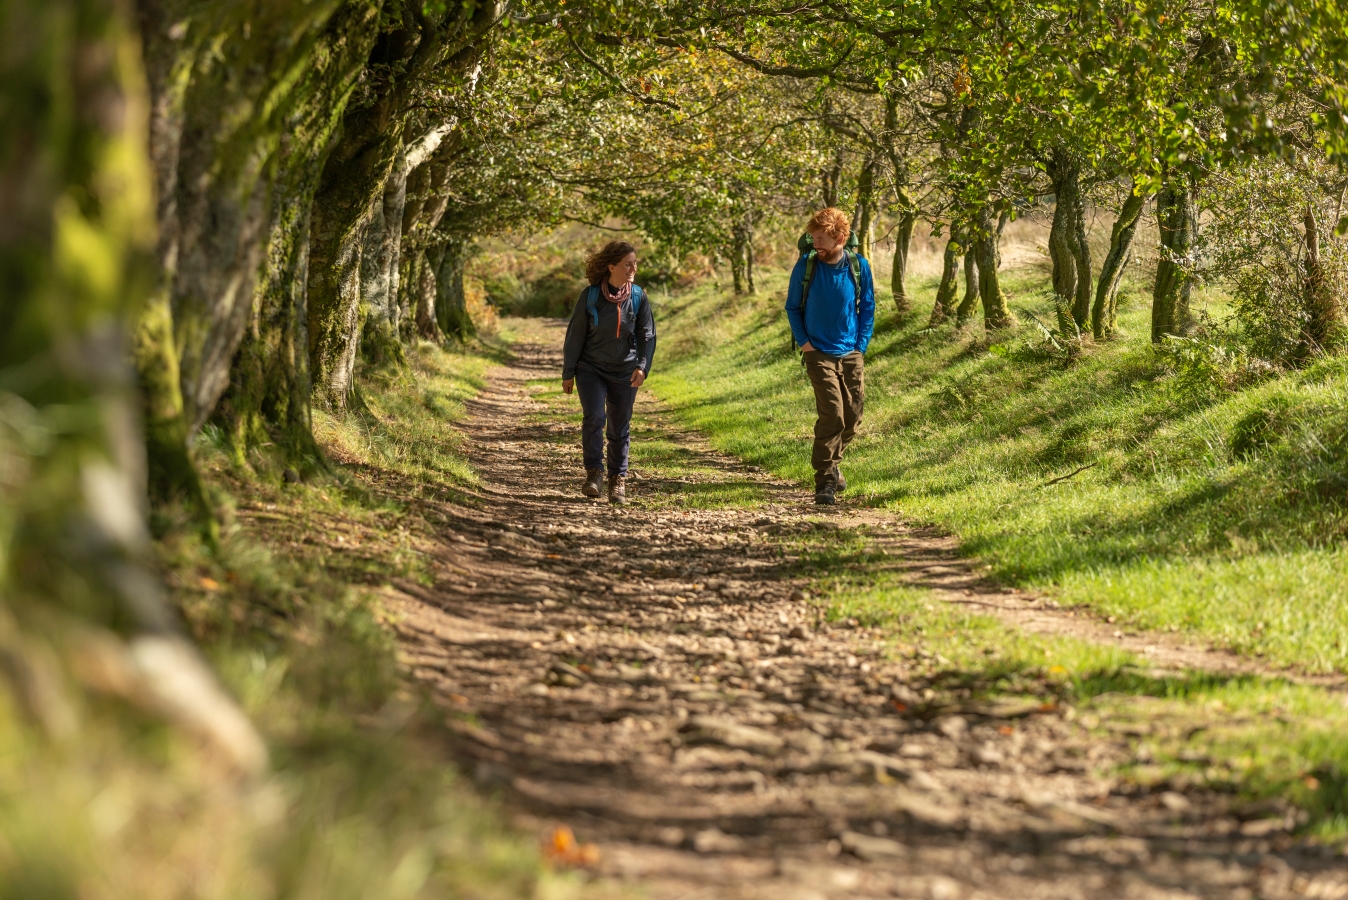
<point>806,347</point>
<point>638,377</point>
<point>567,385</point>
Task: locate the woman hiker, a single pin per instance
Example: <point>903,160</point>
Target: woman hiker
<point>610,343</point>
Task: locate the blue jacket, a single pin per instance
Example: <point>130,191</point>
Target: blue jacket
<point>833,324</point>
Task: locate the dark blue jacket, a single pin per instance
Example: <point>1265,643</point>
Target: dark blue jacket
<point>832,322</point>
<point>617,346</point>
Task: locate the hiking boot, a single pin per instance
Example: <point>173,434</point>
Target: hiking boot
<point>823,496</point>
<point>839,480</point>
<point>617,490</point>
<point>594,480</point>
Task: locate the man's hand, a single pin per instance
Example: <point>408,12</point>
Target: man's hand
<point>567,385</point>
<point>638,378</point>
<point>806,347</point>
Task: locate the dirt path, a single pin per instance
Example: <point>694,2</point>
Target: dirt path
<point>653,677</point>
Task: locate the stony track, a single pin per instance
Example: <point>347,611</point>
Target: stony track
<point>657,678</point>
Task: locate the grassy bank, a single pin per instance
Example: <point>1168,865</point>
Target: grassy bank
<point>1211,493</point>
<point>360,802</point>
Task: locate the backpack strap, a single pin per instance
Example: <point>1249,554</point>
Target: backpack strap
<point>854,266</point>
<point>592,305</point>
<point>811,259</point>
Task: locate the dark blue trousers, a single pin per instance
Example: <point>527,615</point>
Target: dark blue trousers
<point>605,401</point>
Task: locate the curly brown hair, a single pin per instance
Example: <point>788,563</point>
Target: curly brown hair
<point>596,264</point>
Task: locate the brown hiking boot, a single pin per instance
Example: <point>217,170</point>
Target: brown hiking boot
<point>617,490</point>
<point>594,479</point>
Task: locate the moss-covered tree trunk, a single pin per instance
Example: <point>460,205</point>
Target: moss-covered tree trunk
<point>428,328</point>
<point>831,178</point>
<point>418,43</point>
<point>988,256</point>
<point>964,313</point>
<point>1066,194</point>
<point>1177,221</point>
<point>1069,246</point>
<point>77,257</point>
<point>944,308</point>
<point>1104,313</point>
<point>451,306</point>
<point>898,278</point>
<point>268,401</point>
<point>864,221</point>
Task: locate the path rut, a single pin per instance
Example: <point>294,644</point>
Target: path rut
<point>657,679</point>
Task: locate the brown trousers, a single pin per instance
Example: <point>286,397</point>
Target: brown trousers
<point>839,395</point>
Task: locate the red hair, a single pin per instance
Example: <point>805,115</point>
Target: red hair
<point>832,221</point>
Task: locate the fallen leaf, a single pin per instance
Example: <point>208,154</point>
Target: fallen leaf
<point>563,849</point>
<point>209,583</point>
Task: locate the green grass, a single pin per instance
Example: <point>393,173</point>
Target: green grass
<point>1214,501</point>
<point>360,801</point>
<point>1266,740</point>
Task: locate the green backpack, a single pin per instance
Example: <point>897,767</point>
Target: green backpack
<point>806,247</point>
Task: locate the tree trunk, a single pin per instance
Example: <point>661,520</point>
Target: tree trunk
<point>832,177</point>
<point>944,307</point>
<point>1104,313</point>
<point>987,254</point>
<point>1177,220</point>
<point>77,256</point>
<point>965,312</point>
<point>357,173</point>
<point>749,263</point>
<point>1066,194</point>
<point>268,400</point>
<point>903,239</point>
<point>1069,247</point>
<point>1323,315</point>
<point>451,307</point>
<point>863,222</point>
<point>427,326</point>
<point>737,261</point>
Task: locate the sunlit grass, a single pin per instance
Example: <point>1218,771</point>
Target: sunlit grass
<point>1214,513</point>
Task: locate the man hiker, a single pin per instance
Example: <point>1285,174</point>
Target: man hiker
<point>831,307</point>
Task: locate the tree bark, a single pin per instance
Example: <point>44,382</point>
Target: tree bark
<point>864,220</point>
<point>268,400</point>
<point>944,308</point>
<point>987,254</point>
<point>1177,220</point>
<point>1104,314</point>
<point>451,307</point>
<point>1068,245</point>
<point>1063,174</point>
<point>427,326</point>
<point>965,312</point>
<point>77,257</point>
<point>1323,315</point>
<point>831,178</point>
<point>903,240</point>
<point>358,171</point>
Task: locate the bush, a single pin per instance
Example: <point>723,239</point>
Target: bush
<point>553,295</point>
<point>1257,244</point>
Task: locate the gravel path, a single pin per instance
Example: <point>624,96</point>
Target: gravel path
<point>657,679</point>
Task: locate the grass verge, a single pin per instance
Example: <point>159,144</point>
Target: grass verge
<point>359,802</point>
<point>1189,490</point>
